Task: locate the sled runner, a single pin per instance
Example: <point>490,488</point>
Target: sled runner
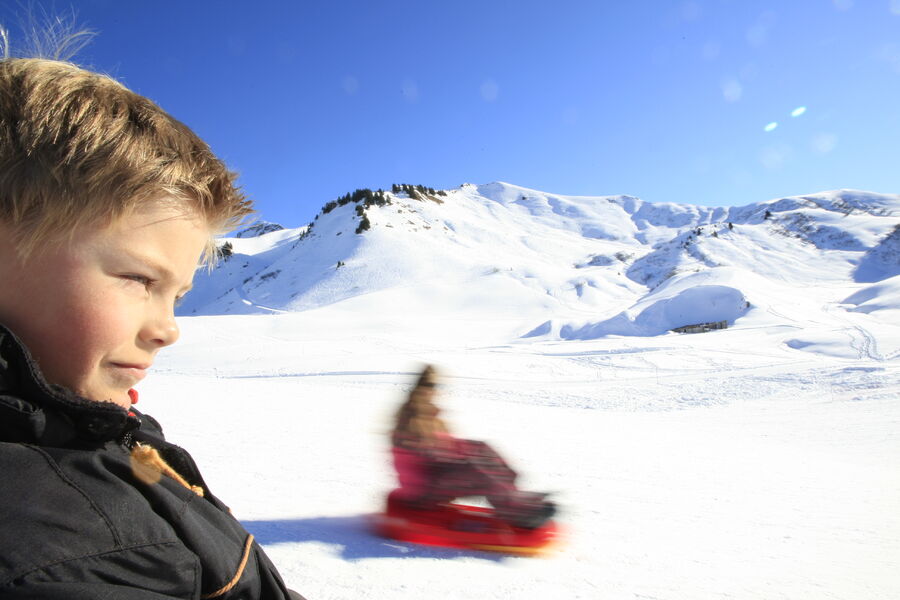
<point>455,525</point>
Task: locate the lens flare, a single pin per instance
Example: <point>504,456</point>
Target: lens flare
<point>770,127</point>
<point>489,90</point>
<point>732,90</point>
<point>798,111</point>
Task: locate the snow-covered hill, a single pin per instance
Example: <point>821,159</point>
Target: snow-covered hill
<point>757,462</point>
<point>564,267</point>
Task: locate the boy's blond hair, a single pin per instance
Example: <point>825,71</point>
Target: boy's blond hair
<point>80,149</point>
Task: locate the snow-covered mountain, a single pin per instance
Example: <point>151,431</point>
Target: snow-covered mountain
<point>257,229</point>
<point>568,267</point>
<point>756,462</point>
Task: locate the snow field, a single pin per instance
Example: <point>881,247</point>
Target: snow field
<point>720,465</point>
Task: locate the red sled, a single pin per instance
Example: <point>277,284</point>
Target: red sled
<point>454,525</point>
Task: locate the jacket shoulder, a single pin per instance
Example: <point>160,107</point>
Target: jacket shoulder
<point>49,518</point>
<point>45,518</point>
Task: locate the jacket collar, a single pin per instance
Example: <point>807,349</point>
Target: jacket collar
<point>37,412</point>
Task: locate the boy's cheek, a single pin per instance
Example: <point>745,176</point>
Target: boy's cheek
<point>73,352</point>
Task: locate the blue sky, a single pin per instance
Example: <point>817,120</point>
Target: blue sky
<point>665,100</point>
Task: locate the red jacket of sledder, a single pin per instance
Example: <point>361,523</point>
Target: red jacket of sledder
<point>77,521</point>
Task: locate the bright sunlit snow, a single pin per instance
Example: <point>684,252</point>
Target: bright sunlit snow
<point>760,461</point>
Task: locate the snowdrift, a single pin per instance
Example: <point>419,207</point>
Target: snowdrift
<point>879,297</point>
<point>704,297</point>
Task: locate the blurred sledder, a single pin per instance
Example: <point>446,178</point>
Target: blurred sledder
<point>435,468</point>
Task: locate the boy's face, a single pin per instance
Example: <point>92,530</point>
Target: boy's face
<point>94,312</point>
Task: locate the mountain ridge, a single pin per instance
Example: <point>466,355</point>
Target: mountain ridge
<point>499,249</point>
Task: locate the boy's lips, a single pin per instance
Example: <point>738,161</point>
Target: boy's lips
<point>136,370</point>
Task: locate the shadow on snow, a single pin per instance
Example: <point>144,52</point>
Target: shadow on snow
<point>354,536</point>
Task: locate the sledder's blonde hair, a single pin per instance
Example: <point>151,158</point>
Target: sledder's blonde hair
<point>417,419</point>
<point>80,149</point>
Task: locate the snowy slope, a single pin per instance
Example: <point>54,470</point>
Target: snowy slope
<point>761,461</point>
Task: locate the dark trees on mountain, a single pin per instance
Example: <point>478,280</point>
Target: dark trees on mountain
<point>225,251</point>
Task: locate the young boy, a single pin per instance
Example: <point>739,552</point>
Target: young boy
<point>106,206</point>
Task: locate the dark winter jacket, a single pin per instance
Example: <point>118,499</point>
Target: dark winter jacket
<point>81,518</point>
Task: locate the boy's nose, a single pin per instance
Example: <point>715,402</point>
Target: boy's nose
<point>162,331</point>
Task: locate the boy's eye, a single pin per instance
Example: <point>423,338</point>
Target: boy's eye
<point>143,280</point>
<point>148,283</point>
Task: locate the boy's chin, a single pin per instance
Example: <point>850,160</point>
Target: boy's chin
<point>121,400</point>
<point>117,397</point>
